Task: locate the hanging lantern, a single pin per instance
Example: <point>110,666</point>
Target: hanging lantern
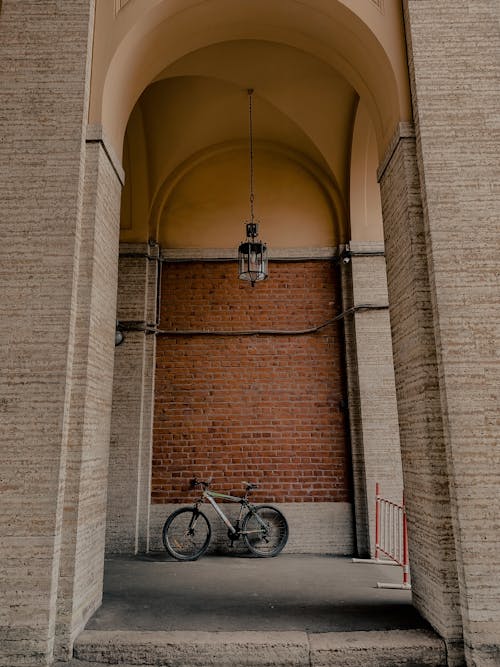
<point>252,254</point>
<point>252,257</point>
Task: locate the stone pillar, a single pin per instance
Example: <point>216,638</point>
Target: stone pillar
<point>453,52</point>
<point>84,514</point>
<point>44,76</point>
<point>373,419</point>
<point>425,473</point>
<point>129,489</point>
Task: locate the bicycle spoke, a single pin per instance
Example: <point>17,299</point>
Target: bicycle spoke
<point>265,531</point>
<point>186,534</point>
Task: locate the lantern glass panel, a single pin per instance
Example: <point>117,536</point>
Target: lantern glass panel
<point>252,259</point>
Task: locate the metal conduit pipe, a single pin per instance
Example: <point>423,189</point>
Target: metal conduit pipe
<point>152,329</point>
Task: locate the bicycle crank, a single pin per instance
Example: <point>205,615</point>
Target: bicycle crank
<point>233,536</point>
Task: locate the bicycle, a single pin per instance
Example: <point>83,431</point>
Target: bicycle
<point>187,531</point>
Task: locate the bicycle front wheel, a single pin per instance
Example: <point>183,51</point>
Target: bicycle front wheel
<point>186,534</point>
<point>265,531</point>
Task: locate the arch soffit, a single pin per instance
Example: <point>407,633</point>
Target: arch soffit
<point>325,181</point>
<point>144,43</point>
<point>316,160</point>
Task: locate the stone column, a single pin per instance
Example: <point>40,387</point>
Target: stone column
<point>44,78</point>
<point>425,473</point>
<point>84,514</point>
<point>373,419</point>
<point>129,488</point>
<point>453,50</point>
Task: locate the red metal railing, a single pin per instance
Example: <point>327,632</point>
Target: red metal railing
<point>391,538</point>
<point>391,535</point>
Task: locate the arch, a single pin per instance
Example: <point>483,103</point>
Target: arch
<point>162,43</point>
<point>365,205</point>
<point>133,48</point>
<point>325,182</point>
<point>135,193</point>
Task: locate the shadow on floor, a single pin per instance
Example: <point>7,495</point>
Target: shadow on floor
<point>234,593</point>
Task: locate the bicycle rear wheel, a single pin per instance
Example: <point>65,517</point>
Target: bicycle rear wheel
<point>186,534</point>
<point>265,531</point>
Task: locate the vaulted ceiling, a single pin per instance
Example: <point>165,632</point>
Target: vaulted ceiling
<point>176,73</point>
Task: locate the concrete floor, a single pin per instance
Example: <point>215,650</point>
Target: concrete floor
<point>223,593</point>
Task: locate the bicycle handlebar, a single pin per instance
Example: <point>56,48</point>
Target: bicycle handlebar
<point>199,482</point>
<point>206,483</point>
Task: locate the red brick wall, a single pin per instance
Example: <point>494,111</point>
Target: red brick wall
<point>259,408</point>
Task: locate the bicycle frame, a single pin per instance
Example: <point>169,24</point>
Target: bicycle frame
<point>211,495</point>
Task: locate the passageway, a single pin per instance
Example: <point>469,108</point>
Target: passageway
<point>290,592</point>
<point>290,611</point>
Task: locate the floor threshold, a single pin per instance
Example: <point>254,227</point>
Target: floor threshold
<point>390,648</point>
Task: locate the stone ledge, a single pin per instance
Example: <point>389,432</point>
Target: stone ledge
<point>394,648</point>
<point>193,649</point>
<point>412,648</point>
<point>231,254</point>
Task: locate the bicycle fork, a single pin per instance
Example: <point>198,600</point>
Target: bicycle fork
<point>194,519</point>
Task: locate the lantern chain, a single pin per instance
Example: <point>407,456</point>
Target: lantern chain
<point>252,198</point>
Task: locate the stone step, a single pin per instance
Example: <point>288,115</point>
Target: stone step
<point>394,648</point>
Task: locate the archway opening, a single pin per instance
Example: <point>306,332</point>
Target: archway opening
<point>267,408</point>
<point>185,157</point>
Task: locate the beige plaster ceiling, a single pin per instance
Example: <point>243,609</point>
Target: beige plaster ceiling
<point>303,115</point>
<point>313,64</point>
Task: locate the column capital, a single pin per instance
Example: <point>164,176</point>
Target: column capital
<point>96,134</point>
<point>404,130</point>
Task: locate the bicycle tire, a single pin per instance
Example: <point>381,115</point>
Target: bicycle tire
<point>269,541</point>
<point>186,534</point>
